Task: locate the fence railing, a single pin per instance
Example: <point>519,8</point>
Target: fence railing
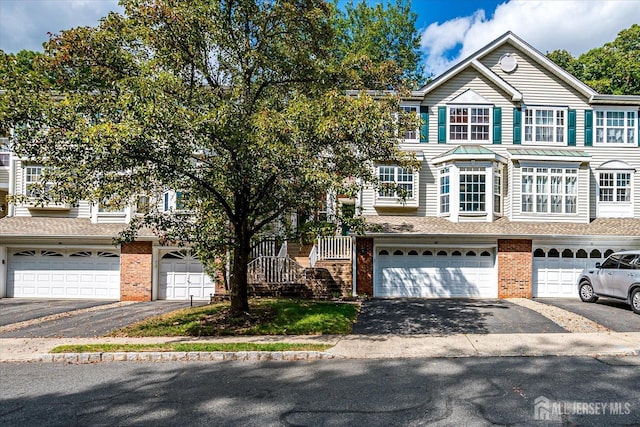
<point>313,256</point>
<point>266,247</point>
<point>283,250</point>
<point>334,247</point>
<point>274,269</point>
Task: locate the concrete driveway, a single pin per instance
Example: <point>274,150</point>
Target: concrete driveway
<point>610,313</point>
<point>449,316</point>
<point>106,317</point>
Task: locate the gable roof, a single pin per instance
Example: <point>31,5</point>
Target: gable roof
<point>508,37</point>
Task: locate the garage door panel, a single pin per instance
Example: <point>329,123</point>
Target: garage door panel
<point>37,274</point>
<point>434,276</point>
<point>182,276</point>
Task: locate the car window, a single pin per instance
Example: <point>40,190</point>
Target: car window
<point>627,262</point>
<point>611,262</point>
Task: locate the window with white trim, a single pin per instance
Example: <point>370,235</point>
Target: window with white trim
<point>395,182</point>
<point>497,190</point>
<point>545,124</point>
<point>444,190</point>
<point>472,189</point>
<point>549,190</point>
<point>469,123</point>
<point>410,133</point>
<point>32,176</point>
<point>614,187</point>
<point>616,127</point>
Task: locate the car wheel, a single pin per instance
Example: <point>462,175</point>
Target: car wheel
<point>635,301</point>
<point>586,292</point>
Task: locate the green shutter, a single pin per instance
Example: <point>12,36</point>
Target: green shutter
<point>442,125</point>
<point>517,126</point>
<point>497,125</point>
<point>588,128</point>
<point>571,131</point>
<point>424,123</point>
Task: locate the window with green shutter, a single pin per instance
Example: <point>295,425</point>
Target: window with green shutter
<point>424,123</point>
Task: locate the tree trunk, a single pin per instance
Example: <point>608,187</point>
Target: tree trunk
<point>239,295</point>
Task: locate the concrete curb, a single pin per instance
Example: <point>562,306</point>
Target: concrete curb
<point>180,356</point>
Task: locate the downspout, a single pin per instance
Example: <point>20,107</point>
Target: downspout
<point>354,272</point>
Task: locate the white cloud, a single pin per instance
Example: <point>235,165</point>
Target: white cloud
<point>24,24</point>
<point>573,25</point>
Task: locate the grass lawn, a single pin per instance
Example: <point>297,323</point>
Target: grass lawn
<point>242,346</point>
<point>266,317</point>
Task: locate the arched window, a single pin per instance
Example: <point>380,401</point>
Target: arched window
<point>581,253</point>
<point>485,253</point>
<point>595,254</point>
<point>383,252</point>
<point>429,253</point>
<point>553,253</point>
<point>81,254</point>
<point>608,252</point>
<point>398,252</point>
<point>51,253</point>
<point>538,253</point>
<point>456,253</point>
<point>471,253</point>
<point>412,253</point>
<point>442,253</point>
<point>567,253</point>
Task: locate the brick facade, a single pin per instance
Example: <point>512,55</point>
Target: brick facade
<point>364,265</point>
<point>515,268</point>
<point>136,271</point>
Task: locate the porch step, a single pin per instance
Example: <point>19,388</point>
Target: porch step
<point>295,249</point>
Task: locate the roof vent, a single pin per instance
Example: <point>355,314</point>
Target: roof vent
<point>508,62</point>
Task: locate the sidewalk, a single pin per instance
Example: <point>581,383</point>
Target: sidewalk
<point>348,346</point>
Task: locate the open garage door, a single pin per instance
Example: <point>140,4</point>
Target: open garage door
<point>434,273</point>
<point>52,273</point>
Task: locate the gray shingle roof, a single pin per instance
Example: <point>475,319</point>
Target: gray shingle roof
<point>391,225</point>
<point>58,227</point>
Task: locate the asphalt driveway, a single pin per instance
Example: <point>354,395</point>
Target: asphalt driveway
<point>14,310</point>
<point>610,313</point>
<point>448,317</point>
<point>83,325</point>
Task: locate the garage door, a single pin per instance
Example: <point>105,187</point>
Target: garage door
<point>42,273</point>
<point>182,275</point>
<point>434,273</point>
<point>556,270</point>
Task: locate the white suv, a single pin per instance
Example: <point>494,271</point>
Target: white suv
<point>617,277</point>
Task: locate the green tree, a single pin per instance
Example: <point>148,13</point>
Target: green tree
<point>613,68</point>
<point>380,41</point>
<point>237,104</point>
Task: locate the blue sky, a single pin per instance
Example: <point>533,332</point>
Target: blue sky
<point>450,29</point>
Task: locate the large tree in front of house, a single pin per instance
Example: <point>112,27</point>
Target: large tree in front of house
<point>236,105</point>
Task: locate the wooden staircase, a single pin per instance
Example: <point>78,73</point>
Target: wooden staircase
<point>300,253</point>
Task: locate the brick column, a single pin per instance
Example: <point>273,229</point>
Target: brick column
<point>515,268</point>
<point>364,266</point>
<point>136,271</point>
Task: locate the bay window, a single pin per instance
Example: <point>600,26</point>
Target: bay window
<point>544,124</point>
<point>549,190</point>
<point>472,189</point>
<point>616,127</point>
<point>444,190</point>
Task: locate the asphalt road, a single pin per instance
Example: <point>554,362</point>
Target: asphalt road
<point>449,316</point>
<point>440,392</point>
<point>610,313</point>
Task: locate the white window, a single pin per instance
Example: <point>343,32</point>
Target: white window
<point>32,176</point>
<point>469,123</point>
<point>549,190</point>
<point>472,189</point>
<point>411,133</point>
<point>497,190</point>
<point>395,182</point>
<point>544,125</point>
<point>614,187</point>
<point>616,127</point>
<point>444,190</point>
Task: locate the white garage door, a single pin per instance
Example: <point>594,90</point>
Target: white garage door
<point>434,273</point>
<point>42,273</point>
<point>556,270</point>
<point>182,275</point>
